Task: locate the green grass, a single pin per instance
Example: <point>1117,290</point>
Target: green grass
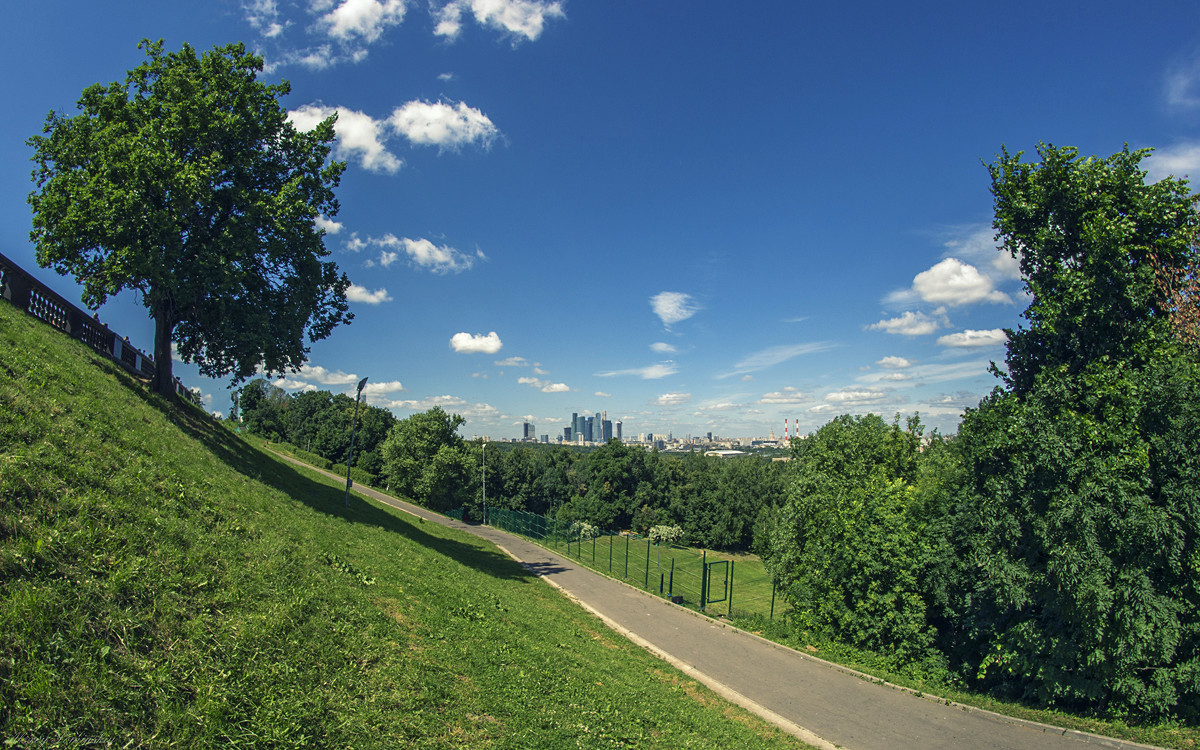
<point>164,584</point>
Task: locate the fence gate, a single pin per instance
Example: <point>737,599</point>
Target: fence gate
<point>716,583</point>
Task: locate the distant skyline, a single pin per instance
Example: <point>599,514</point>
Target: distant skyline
<point>695,217</point>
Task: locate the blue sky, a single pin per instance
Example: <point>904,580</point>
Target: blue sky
<point>693,216</point>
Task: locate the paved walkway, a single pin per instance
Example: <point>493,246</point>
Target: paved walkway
<point>826,705</point>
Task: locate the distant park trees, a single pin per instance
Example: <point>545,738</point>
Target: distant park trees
<point>187,184</point>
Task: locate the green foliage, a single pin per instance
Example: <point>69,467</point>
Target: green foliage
<point>1092,239</point>
<point>846,547</point>
<point>187,183</point>
<point>425,459</point>
<point>1077,581</point>
<point>316,422</point>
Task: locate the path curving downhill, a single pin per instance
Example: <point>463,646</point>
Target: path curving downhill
<point>822,703</point>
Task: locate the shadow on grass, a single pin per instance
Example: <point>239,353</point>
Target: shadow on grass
<point>276,473</point>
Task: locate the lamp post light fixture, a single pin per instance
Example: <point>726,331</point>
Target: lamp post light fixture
<point>353,426</point>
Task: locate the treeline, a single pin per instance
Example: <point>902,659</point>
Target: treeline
<point>716,502</point>
<point>318,422</point>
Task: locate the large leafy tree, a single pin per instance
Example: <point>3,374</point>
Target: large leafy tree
<point>1078,533</point>
<point>847,546</point>
<point>425,459</point>
<point>187,183</point>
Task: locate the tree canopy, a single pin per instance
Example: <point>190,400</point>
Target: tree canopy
<point>188,184</point>
<point>1077,532</point>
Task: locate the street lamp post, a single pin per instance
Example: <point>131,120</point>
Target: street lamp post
<point>353,426</point>
<point>485,483</point>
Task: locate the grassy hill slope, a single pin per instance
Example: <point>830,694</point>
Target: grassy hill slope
<point>163,583</point>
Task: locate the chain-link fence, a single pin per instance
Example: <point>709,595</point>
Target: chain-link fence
<point>716,583</point>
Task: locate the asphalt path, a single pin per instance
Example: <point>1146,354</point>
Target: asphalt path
<point>822,703</point>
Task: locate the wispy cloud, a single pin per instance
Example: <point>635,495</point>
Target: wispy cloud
<point>673,307</point>
<point>466,343</point>
<point>662,347</point>
<point>976,243</point>
<point>775,355</point>
<point>672,399</point>
<point>512,362</point>
<point>1182,85</point>
<point>789,395</point>
<point>544,386</point>
<point>1180,160</point>
<point>422,253</point>
<point>653,372</point>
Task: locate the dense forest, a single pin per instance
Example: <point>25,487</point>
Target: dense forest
<point>1048,552</point>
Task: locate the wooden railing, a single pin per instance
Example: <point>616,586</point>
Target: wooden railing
<point>27,293</point>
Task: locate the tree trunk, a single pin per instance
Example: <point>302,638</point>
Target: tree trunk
<point>164,325</point>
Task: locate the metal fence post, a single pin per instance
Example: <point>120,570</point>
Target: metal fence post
<point>646,585</point>
<point>729,612</point>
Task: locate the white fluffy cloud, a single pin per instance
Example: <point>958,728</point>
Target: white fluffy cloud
<point>894,363</point>
<point>908,324</point>
<point>365,20</point>
<point>518,18</point>
<point>973,338</point>
<point>672,399</point>
<point>375,389</point>
<point>329,225</point>
<point>362,138</point>
<point>448,126</point>
<point>951,282</point>
<point>476,344</point>
<point>361,294</point>
<point>977,244</point>
<point>673,307</point>
<point>1180,160</point>
<point>653,372</point>
<point>359,136</point>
